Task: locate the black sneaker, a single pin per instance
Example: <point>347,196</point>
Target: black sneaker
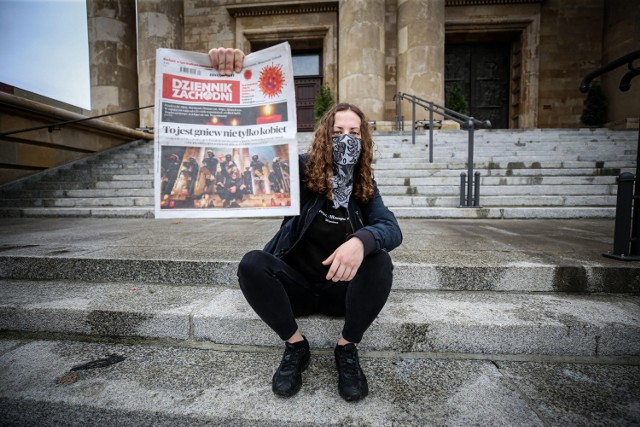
<point>288,378</point>
<point>352,384</point>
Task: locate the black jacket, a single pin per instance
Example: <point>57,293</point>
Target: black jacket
<point>372,221</point>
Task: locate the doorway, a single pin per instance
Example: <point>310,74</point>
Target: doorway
<point>307,76</point>
<point>482,72</point>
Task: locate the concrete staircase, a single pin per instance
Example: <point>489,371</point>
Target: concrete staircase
<point>115,183</point>
<point>542,173</point>
<point>548,173</point>
<point>489,323</point>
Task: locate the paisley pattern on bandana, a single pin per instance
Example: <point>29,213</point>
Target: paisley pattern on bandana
<point>346,152</point>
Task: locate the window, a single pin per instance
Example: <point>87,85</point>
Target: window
<point>306,64</point>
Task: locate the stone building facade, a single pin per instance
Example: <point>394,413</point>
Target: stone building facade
<point>520,62</point>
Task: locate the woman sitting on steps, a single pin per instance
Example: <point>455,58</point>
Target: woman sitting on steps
<point>333,259</point>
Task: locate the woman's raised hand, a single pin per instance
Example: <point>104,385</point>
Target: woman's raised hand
<point>226,60</point>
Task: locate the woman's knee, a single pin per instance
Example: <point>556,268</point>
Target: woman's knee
<point>379,264</point>
<point>251,265</point>
<point>251,260</point>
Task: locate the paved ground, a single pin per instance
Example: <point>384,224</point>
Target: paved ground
<point>164,383</point>
<point>173,386</point>
<point>429,241</point>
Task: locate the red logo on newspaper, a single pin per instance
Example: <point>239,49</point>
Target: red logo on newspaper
<point>271,80</point>
<point>181,88</point>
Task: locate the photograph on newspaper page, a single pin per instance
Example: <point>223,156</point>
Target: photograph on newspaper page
<point>225,146</point>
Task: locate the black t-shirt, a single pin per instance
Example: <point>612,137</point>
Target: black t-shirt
<point>328,230</point>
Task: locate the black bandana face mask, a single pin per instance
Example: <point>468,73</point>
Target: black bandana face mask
<point>346,152</point>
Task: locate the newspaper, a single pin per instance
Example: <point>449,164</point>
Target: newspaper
<point>225,146</point>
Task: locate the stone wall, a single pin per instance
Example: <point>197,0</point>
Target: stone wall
<point>207,25</point>
<point>621,37</point>
<point>570,47</point>
<point>390,55</point>
<point>380,47</point>
<point>362,55</point>
<point>112,55</point>
<point>160,25</point>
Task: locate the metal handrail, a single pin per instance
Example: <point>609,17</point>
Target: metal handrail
<point>470,200</point>
<point>59,125</point>
<point>626,239</point>
<point>625,82</point>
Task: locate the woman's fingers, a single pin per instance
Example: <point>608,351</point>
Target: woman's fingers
<point>226,60</point>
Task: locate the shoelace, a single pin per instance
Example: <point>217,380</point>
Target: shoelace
<point>348,364</point>
<point>290,360</point>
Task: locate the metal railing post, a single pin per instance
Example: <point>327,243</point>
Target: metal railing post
<point>463,179</point>
<point>476,190</point>
<point>399,127</point>
<point>413,119</point>
<point>635,224</point>
<point>470,161</point>
<point>622,230</point>
<point>634,218</point>
<point>430,132</point>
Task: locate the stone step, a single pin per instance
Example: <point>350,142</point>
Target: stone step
<point>95,212</point>
<point>533,164</point>
<point>71,202</point>
<point>454,179</point>
<point>107,170</point>
<point>506,172</point>
<point>414,270</point>
<point>105,185</point>
<point>439,322</point>
<point>99,201</point>
<point>517,135</point>
<point>520,157</point>
<point>542,160</point>
<point>444,150</point>
<point>47,194</point>
<point>81,175</point>
<point>505,190</point>
<point>59,185</point>
<point>499,202</point>
<point>107,164</point>
<point>124,161</point>
<point>445,207</point>
<point>518,212</point>
<point>559,144</point>
<point>164,386</point>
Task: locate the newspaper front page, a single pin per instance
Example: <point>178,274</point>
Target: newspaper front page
<point>225,146</point>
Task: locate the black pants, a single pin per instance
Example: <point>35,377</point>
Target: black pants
<point>278,293</point>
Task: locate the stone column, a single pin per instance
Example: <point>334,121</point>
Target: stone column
<point>160,25</point>
<point>421,50</point>
<point>112,56</point>
<point>361,71</point>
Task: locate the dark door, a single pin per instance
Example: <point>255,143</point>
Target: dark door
<point>482,72</point>
<point>307,75</point>
<point>307,88</point>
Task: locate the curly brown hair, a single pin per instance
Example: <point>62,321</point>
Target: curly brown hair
<point>319,166</point>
